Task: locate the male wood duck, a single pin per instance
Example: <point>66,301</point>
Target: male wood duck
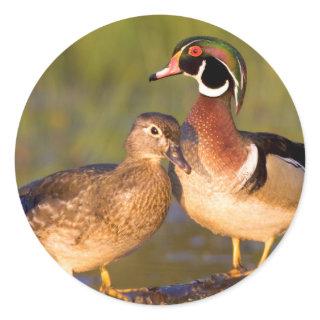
<point>243,185</point>
<point>90,216</point>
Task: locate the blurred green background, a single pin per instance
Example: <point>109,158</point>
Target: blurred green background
<point>82,108</point>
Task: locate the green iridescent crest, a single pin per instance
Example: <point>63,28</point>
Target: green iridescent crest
<point>228,55</point>
<point>234,62</point>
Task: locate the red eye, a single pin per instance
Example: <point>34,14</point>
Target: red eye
<point>195,51</point>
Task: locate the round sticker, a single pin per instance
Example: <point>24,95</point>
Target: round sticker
<point>159,160</point>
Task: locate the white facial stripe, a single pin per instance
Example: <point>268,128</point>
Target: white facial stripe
<point>198,76</point>
<point>189,44</point>
<point>216,92</point>
<point>232,75</point>
<point>230,72</point>
<point>242,75</point>
<point>236,83</point>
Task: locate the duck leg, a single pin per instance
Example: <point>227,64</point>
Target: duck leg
<point>106,285</point>
<point>236,254</point>
<point>105,279</point>
<point>237,268</point>
<point>267,247</point>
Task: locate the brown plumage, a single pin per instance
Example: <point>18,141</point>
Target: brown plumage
<point>88,217</point>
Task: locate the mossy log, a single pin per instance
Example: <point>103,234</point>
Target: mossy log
<point>179,293</point>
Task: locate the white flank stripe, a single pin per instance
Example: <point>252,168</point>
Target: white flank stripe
<point>292,162</point>
<point>249,166</point>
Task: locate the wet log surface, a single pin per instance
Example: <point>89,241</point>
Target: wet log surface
<point>179,293</point>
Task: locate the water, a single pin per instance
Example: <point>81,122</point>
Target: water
<point>179,252</point>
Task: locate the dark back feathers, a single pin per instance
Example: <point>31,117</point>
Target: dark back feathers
<point>269,143</point>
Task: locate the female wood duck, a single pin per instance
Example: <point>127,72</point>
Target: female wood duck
<point>243,185</point>
<point>90,216</point>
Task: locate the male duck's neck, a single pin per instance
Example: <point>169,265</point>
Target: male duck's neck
<point>220,144</point>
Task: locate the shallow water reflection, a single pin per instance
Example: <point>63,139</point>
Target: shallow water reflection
<point>179,252</point>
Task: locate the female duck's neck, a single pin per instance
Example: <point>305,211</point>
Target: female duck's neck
<point>219,141</point>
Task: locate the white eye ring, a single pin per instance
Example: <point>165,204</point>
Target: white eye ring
<point>153,131</point>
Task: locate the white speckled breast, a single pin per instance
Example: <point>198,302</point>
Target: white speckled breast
<point>213,202</point>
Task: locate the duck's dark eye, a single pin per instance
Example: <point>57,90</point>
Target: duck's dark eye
<point>154,131</point>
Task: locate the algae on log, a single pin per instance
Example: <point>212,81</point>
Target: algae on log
<point>179,293</point>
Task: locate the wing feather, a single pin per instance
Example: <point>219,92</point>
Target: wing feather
<point>269,143</point>
<point>63,185</point>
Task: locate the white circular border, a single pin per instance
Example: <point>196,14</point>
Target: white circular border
<point>36,32</point>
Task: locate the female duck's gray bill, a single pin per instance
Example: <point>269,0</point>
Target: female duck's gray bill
<point>174,154</point>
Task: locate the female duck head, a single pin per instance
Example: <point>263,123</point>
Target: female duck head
<point>154,136</point>
<point>216,65</point>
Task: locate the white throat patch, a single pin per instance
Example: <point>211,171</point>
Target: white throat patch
<point>216,92</point>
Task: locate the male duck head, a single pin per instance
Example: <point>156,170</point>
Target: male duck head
<point>154,136</point>
<point>216,65</point>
